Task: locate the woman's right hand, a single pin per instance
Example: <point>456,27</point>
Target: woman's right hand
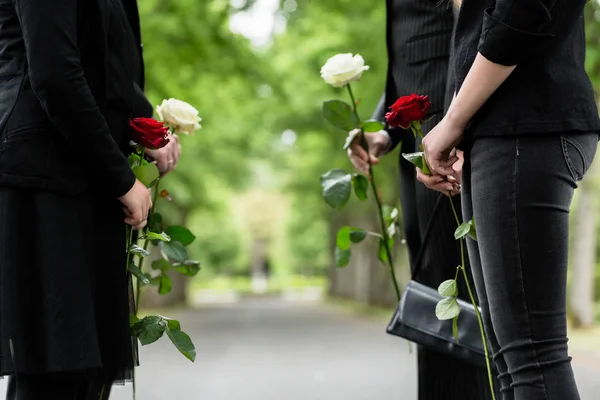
<point>378,143</point>
<point>137,204</point>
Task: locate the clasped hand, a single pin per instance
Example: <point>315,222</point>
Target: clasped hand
<point>443,159</point>
<point>166,158</point>
<point>137,202</point>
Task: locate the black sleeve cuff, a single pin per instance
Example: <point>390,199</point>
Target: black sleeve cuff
<point>398,135</point>
<point>121,186</point>
<point>505,45</point>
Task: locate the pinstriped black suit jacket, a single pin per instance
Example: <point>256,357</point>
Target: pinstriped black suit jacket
<point>419,33</point>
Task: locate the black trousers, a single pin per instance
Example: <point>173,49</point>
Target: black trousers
<point>63,386</point>
<point>520,189</point>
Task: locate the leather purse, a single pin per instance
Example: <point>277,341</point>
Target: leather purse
<point>415,319</point>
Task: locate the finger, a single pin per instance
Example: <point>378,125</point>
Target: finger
<point>359,152</point>
<point>374,160</point>
<point>161,162</point>
<point>360,165</point>
<point>428,179</point>
<point>450,161</point>
<point>437,168</point>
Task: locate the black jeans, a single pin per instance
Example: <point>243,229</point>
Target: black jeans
<point>519,189</point>
<point>61,385</point>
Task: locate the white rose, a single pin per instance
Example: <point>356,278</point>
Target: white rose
<point>342,69</point>
<point>181,116</point>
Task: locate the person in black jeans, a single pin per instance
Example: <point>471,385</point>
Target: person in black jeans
<point>419,34</point>
<point>525,116</point>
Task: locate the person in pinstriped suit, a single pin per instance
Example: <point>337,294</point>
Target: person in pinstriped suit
<point>419,35</point>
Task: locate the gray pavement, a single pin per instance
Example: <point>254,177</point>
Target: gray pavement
<point>273,350</point>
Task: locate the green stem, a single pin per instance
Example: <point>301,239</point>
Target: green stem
<point>472,298</point>
<point>146,245</point>
<point>385,239</point>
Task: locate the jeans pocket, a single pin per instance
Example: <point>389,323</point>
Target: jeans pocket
<point>579,150</point>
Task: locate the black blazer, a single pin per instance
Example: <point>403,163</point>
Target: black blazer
<point>549,91</point>
<point>418,37</point>
<point>53,85</point>
<point>141,106</point>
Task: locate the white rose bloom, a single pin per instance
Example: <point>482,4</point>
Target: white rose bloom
<point>181,116</point>
<point>342,69</point>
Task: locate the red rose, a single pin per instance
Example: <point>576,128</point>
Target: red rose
<point>149,133</point>
<point>408,109</point>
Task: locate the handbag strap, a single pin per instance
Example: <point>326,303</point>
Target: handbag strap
<point>418,265</point>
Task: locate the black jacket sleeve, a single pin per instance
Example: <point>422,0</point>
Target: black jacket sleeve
<point>514,28</point>
<point>50,35</point>
<point>141,105</point>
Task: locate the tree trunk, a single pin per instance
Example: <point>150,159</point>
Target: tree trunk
<point>584,253</point>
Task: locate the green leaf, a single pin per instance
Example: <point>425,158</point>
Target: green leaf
<point>350,139</point>
<point>173,324</point>
<point>165,285</point>
<point>150,329</point>
<point>391,230</point>
<point>163,237</point>
<point>425,168</point>
<point>188,268</point>
<point>343,238</point>
<point>135,271</point>
<point>361,186</point>
<point>138,251</point>
<point>448,288</point>
<point>382,254</point>
<point>347,235</point>
<point>342,257</point>
<point>133,320</point>
<point>134,160</point>
<point>373,126</point>
<point>357,235</point>
<point>337,185</point>
<point>155,223</point>
<point>462,230</point>
<point>340,115</point>
<point>447,308</point>
<point>174,250</point>
<point>455,328</point>
<point>161,265</point>
<point>473,229</point>
<point>415,159</point>
<point>183,343</point>
<point>181,234</point>
<point>147,174</point>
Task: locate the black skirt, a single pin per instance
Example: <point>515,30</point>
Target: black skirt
<point>63,285</point>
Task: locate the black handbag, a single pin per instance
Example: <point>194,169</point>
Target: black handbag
<point>415,319</point>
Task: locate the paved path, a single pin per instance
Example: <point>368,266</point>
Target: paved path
<point>268,350</point>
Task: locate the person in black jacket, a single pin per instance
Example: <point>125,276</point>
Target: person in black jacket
<point>419,36</point>
<point>525,115</point>
<point>65,182</point>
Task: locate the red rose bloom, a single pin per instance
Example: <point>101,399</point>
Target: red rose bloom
<point>149,133</point>
<point>408,109</point>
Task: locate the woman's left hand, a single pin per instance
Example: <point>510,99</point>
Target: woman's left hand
<point>438,145</point>
<point>166,158</point>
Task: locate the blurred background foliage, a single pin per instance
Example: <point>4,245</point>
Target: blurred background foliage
<point>247,184</point>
